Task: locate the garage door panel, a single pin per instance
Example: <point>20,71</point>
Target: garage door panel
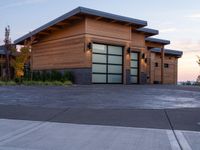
<point>99,78</point>
<point>99,68</point>
<point>114,59</point>
<point>107,64</point>
<point>114,78</point>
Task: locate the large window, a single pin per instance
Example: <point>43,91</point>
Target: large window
<point>134,67</point>
<point>107,64</point>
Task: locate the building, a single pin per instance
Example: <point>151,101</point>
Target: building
<point>3,63</point>
<point>99,47</point>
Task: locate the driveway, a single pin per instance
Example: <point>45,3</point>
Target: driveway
<point>100,117</point>
<point>103,96</point>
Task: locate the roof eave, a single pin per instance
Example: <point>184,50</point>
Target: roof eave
<point>136,22</point>
<point>160,41</point>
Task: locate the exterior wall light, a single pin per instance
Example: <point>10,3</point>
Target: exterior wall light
<point>89,46</point>
<point>129,50</point>
<point>143,55</point>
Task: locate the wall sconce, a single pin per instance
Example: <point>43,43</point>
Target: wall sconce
<point>143,55</point>
<point>129,50</point>
<point>89,47</point>
<point>145,60</point>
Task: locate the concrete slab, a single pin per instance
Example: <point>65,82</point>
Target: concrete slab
<point>102,96</point>
<point>29,112</point>
<point>185,119</point>
<point>142,118</point>
<point>62,136</point>
<point>192,139</point>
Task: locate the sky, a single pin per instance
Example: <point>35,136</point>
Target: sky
<point>177,21</point>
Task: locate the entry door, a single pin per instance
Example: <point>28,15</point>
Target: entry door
<point>107,63</point>
<point>134,67</point>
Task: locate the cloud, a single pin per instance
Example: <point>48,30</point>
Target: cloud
<point>21,3</point>
<point>168,30</point>
<point>194,16</point>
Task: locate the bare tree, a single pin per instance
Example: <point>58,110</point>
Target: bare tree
<point>198,61</point>
<point>7,42</point>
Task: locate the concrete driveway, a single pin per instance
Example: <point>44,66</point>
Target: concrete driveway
<point>103,96</point>
<point>100,117</point>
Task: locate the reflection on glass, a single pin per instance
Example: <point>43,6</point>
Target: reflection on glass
<point>114,78</point>
<point>99,58</point>
<point>114,69</point>
<point>99,48</point>
<point>98,68</point>
<point>115,59</point>
<point>99,78</point>
<point>115,50</point>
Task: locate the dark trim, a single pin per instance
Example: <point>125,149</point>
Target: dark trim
<point>148,31</point>
<point>160,41</point>
<point>138,67</point>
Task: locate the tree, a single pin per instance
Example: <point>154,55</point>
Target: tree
<point>198,78</point>
<point>8,47</point>
<point>198,61</point>
<point>19,61</point>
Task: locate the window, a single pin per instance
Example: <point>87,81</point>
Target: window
<point>166,65</point>
<point>156,64</point>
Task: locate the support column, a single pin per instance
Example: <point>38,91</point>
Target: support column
<point>162,64</point>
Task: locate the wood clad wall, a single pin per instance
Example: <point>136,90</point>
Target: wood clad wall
<point>107,29</point>
<point>60,54</point>
<point>170,74</point>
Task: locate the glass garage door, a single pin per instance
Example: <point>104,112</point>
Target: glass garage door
<point>134,67</point>
<point>107,62</point>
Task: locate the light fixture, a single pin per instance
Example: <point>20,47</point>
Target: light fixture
<point>129,50</point>
<point>143,55</point>
<point>89,46</point>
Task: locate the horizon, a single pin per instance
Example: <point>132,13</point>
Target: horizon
<point>179,24</point>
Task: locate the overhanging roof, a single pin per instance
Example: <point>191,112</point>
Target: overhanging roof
<point>177,53</point>
<point>160,41</point>
<point>87,11</point>
<point>148,31</point>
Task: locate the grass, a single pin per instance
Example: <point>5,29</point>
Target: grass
<point>36,83</point>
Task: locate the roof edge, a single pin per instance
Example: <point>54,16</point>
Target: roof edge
<point>84,10</point>
<point>155,40</point>
<point>177,53</point>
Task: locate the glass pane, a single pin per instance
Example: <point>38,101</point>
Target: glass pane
<point>99,58</point>
<point>98,68</point>
<point>134,71</point>
<point>115,50</point>
<point>134,64</point>
<point>114,69</point>
<point>114,78</point>
<point>98,78</point>
<point>134,56</point>
<point>115,59</point>
<point>134,80</point>
<point>99,48</point>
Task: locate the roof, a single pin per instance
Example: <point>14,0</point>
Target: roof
<point>177,53</point>
<point>2,50</point>
<point>83,10</point>
<point>155,40</point>
<point>148,31</point>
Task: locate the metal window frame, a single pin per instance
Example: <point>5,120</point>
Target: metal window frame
<point>107,64</point>
<point>138,66</point>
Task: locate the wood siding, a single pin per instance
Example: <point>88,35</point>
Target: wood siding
<point>60,54</point>
<point>170,73</point>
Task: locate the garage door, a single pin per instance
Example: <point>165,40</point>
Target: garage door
<point>134,67</point>
<point>107,63</point>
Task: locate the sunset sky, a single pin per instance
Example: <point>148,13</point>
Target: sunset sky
<point>177,21</point>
